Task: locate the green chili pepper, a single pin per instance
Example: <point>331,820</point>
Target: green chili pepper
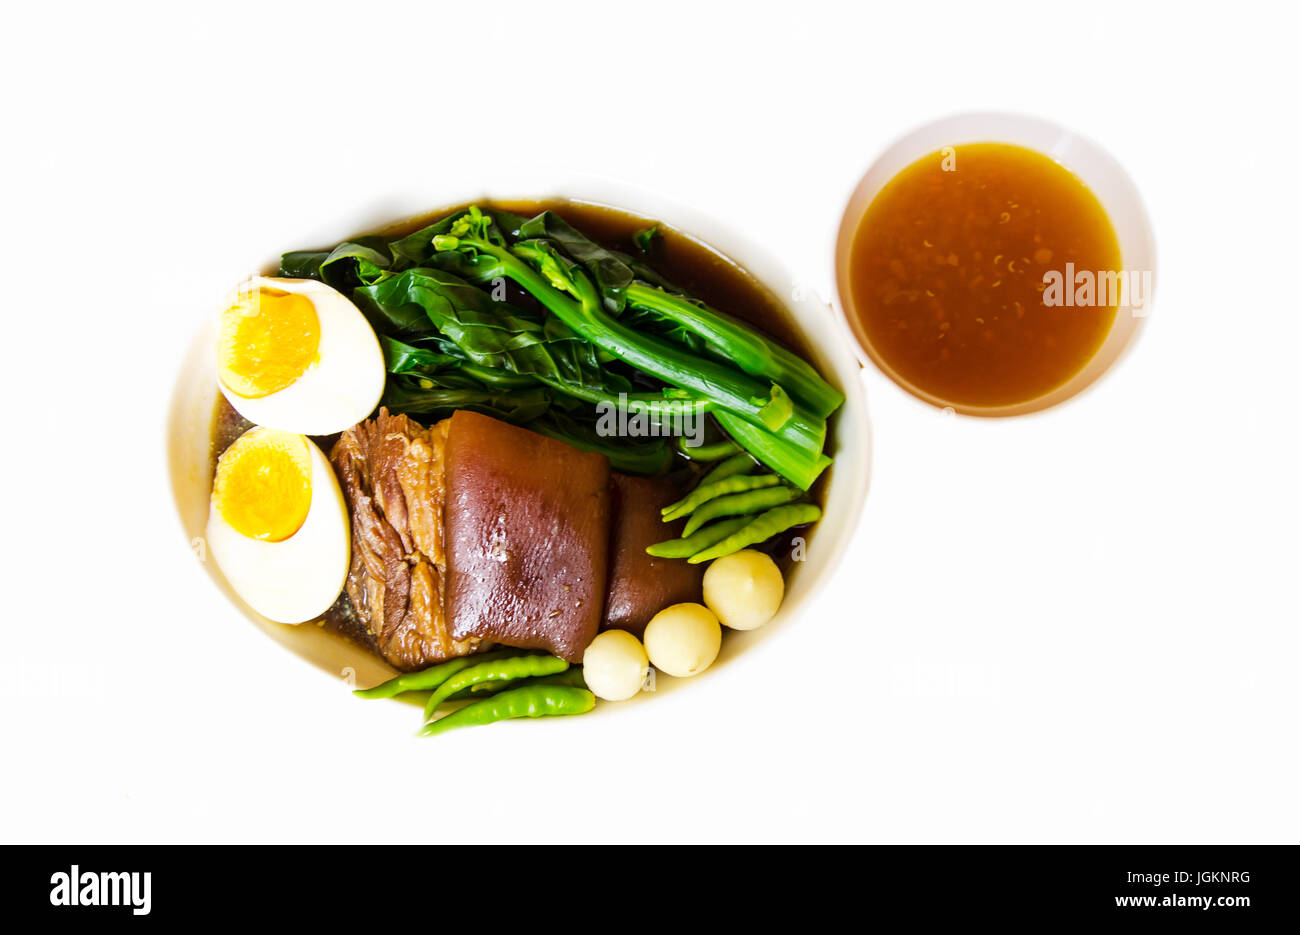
<point>740,463</point>
<point>526,701</point>
<point>498,670</point>
<point>751,501</point>
<point>759,529</point>
<point>715,452</point>
<point>430,678</point>
<point>720,488</point>
<point>685,548</point>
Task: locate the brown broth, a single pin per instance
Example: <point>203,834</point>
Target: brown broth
<point>946,275</point>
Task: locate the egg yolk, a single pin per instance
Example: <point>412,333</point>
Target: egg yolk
<point>263,484</point>
<point>268,339</point>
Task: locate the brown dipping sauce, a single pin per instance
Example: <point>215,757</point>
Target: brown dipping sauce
<point>946,276</point>
<point>680,259</point>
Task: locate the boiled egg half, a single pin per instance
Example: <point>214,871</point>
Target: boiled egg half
<point>278,525</point>
<point>297,355</point>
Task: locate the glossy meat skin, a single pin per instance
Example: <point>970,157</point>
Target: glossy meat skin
<point>392,471</point>
<point>527,536</point>
<point>641,585</point>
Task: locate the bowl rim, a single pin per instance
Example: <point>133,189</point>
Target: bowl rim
<point>1120,198</point>
<point>813,316</point>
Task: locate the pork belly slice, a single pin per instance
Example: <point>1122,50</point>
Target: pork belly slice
<point>641,585</point>
<point>527,537</point>
<point>393,474</point>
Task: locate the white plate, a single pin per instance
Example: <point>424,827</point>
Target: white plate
<point>195,394</point>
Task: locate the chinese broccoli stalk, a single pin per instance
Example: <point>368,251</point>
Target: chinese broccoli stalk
<point>780,434</point>
<point>749,350</point>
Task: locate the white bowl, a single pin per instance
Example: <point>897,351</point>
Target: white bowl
<point>195,393</point>
<point>1098,170</point>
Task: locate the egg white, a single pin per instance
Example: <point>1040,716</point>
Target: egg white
<point>341,388</point>
<point>295,579</point>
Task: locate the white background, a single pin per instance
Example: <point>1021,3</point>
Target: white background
<point>1074,627</point>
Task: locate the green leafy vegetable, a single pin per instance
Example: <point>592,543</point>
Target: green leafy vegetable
<point>586,331</point>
